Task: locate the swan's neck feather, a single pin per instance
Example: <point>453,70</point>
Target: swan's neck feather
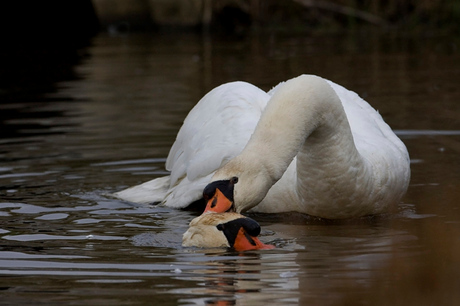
<point>304,110</point>
<point>305,117</point>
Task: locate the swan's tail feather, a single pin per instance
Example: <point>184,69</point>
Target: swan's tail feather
<point>147,193</point>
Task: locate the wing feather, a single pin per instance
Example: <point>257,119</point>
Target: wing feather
<point>216,130</point>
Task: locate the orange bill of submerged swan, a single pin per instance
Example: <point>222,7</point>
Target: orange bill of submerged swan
<point>244,242</point>
<point>242,234</point>
<point>219,196</point>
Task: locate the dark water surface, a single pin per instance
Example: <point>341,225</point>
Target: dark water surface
<point>107,121</point>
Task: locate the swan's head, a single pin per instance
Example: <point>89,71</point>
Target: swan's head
<point>226,229</point>
<point>236,189</point>
<point>242,234</point>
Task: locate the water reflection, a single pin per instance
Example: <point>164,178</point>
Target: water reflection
<point>109,125</point>
<point>245,278</point>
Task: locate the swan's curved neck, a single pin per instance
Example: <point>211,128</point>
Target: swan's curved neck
<point>305,118</point>
<point>304,115</point>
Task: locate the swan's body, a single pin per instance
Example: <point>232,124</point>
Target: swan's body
<point>318,149</point>
<point>217,230</point>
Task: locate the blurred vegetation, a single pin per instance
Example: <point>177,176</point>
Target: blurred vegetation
<point>414,15</point>
<point>236,16</point>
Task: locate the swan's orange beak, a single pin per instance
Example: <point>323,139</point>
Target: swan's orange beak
<point>242,234</point>
<point>219,203</point>
<point>244,242</point>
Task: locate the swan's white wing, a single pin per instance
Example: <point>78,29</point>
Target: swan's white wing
<point>376,142</point>
<point>214,131</point>
<point>146,193</point>
<point>366,124</point>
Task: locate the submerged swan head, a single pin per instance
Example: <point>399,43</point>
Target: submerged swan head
<point>224,230</point>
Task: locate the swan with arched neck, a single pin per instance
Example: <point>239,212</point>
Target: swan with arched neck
<point>309,146</point>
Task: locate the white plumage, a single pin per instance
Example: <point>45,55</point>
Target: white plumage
<point>318,149</point>
<point>203,232</point>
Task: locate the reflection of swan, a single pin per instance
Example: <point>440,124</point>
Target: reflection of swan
<point>224,230</point>
<point>317,149</point>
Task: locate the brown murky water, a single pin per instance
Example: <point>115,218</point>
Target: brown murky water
<point>110,124</point>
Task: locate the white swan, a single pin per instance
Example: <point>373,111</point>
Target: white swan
<point>318,149</point>
<point>216,230</point>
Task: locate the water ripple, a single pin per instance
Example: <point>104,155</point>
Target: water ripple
<point>37,237</point>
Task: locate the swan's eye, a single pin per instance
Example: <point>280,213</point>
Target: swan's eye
<point>234,180</point>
